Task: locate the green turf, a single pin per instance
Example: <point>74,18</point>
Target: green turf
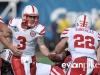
<point>44,59</point>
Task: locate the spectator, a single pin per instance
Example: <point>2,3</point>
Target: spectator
<point>64,23</point>
<point>56,37</point>
<point>49,38</point>
<point>97,24</point>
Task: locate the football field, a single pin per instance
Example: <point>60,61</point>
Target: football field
<point>44,59</point>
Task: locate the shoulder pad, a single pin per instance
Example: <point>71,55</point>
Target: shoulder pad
<point>13,21</point>
<point>40,29</point>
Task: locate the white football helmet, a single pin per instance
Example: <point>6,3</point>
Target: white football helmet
<point>83,21</point>
<point>29,10</point>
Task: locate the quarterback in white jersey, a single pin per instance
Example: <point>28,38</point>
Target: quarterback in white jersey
<point>26,32</point>
<point>83,44</point>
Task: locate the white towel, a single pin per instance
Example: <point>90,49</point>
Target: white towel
<point>26,61</point>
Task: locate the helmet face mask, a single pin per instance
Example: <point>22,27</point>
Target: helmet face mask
<point>83,21</point>
<point>32,20</point>
<point>30,16</point>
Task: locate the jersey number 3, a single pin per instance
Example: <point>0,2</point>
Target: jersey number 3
<point>22,44</point>
<point>79,43</point>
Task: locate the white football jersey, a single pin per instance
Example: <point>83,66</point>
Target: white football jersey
<point>82,42</point>
<point>25,39</point>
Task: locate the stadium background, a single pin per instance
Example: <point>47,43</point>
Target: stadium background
<point>50,10</point>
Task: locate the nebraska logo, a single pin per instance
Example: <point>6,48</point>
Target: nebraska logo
<point>32,33</point>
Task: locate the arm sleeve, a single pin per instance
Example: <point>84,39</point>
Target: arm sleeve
<point>65,33</point>
<point>99,36</point>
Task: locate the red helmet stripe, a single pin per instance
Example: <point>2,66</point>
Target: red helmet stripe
<point>33,8</point>
<point>84,20</point>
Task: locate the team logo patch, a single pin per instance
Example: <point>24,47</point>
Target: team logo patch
<point>15,28</point>
<point>32,33</point>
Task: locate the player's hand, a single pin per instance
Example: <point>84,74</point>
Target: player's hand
<point>53,57</point>
<point>57,57</point>
<point>50,55</point>
<point>16,51</point>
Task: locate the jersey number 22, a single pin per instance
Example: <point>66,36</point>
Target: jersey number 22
<point>79,43</point>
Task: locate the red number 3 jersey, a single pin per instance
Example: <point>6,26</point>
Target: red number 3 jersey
<point>25,39</point>
<point>82,42</point>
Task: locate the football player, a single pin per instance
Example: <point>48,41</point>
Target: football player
<point>26,33</point>
<point>6,55</point>
<point>83,44</point>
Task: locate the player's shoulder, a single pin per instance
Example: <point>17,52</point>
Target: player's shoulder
<point>97,33</point>
<point>66,30</point>
<point>69,29</point>
<point>14,21</point>
<point>94,32</point>
<point>99,36</point>
<point>40,28</point>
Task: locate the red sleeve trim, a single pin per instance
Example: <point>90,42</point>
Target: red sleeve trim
<point>65,32</point>
<point>98,35</point>
<point>42,32</point>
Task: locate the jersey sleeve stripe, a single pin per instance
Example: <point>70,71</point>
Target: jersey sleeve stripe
<point>98,35</point>
<point>42,32</point>
<point>65,32</point>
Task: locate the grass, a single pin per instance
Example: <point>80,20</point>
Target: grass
<point>44,59</point>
